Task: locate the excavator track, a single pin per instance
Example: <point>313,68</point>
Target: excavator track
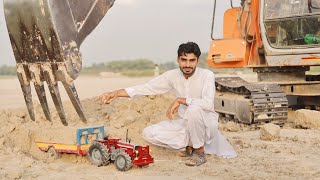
<point>249,103</point>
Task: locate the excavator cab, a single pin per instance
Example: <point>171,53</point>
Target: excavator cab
<point>290,28</point>
<point>46,36</point>
<point>268,33</point>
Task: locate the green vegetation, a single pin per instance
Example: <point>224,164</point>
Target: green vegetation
<point>138,67</point>
<point>143,67</point>
<point>132,68</point>
<point>7,70</point>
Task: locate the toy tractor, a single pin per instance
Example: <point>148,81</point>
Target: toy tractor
<point>123,154</point>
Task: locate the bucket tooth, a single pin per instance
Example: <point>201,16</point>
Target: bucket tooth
<point>55,94</point>
<point>43,100</point>
<point>35,75</point>
<point>26,89</point>
<point>73,95</point>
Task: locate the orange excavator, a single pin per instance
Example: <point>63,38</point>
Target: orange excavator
<point>278,39</point>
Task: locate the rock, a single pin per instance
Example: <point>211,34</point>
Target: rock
<point>307,119</point>
<point>270,132</point>
<point>231,126</point>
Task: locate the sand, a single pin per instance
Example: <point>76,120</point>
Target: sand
<point>295,154</point>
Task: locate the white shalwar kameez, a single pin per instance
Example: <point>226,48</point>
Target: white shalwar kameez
<point>197,123</point>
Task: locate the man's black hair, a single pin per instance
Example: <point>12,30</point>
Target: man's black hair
<point>189,47</point>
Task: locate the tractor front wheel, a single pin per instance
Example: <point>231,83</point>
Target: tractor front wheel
<point>123,161</point>
<point>98,154</point>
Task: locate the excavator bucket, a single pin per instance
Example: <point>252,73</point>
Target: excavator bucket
<point>46,36</point>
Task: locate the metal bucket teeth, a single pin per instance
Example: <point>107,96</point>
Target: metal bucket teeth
<point>55,94</point>
<point>46,36</point>
<point>43,100</point>
<point>26,89</point>
<point>73,95</point>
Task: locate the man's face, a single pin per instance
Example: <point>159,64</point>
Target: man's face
<point>187,63</point>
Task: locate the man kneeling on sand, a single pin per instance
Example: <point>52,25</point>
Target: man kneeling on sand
<point>196,128</point>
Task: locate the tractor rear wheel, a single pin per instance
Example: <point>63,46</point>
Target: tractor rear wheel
<point>98,154</point>
<point>123,161</point>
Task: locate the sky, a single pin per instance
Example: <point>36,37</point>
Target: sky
<point>135,29</point>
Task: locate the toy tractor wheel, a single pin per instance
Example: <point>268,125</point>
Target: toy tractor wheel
<point>53,154</point>
<point>123,161</point>
<point>98,154</point>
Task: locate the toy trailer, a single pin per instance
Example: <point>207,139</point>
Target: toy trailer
<point>124,155</point>
<point>84,137</point>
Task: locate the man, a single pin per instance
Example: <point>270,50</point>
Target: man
<point>196,128</point>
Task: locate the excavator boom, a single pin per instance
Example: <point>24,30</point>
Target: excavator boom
<point>46,36</point>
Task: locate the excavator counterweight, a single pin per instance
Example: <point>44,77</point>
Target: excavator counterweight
<point>46,36</point>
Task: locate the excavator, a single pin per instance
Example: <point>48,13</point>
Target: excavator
<point>279,40</point>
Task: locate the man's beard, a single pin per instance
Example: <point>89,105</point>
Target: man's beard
<point>187,73</point>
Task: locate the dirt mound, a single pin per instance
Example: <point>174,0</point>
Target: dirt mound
<point>297,149</point>
<point>19,132</point>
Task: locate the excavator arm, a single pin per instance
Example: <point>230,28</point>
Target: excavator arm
<point>46,36</point>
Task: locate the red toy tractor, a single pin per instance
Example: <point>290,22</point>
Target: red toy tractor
<point>123,154</point>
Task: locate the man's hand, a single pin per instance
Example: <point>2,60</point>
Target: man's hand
<point>174,107</point>
<point>108,97</point>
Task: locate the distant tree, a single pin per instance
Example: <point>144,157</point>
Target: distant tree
<point>203,61</point>
<point>168,66</point>
<point>125,65</point>
<point>7,70</point>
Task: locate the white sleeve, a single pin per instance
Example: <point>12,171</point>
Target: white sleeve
<point>206,102</point>
<point>158,85</point>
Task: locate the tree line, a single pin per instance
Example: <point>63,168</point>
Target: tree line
<point>136,67</point>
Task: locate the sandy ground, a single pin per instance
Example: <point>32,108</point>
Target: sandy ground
<point>295,155</point>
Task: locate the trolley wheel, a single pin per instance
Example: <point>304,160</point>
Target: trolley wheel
<point>53,154</point>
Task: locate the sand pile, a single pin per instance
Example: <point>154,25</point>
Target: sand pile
<point>19,132</point>
<point>294,154</point>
